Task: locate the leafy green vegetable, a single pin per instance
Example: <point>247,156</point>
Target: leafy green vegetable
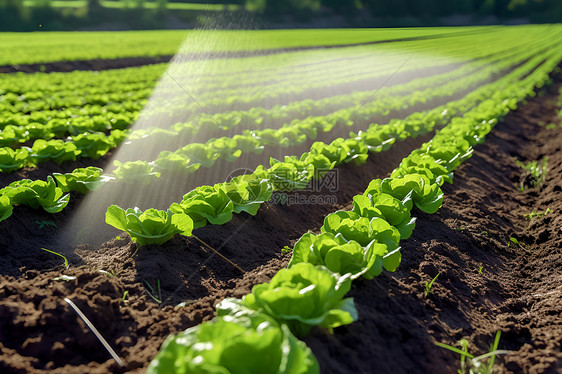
<point>333,152</point>
<point>240,344</point>
<point>175,162</point>
<point>247,193</point>
<point>206,204</point>
<point>6,207</point>
<point>426,165</point>
<point>37,194</point>
<point>150,227</point>
<point>387,207</point>
<point>361,229</point>
<point>93,145</point>
<point>56,150</point>
<point>292,174</point>
<point>80,180</point>
<point>339,255</point>
<point>135,171</point>
<point>301,297</point>
<point>226,148</point>
<point>11,160</point>
<point>427,196</point>
<point>200,154</point>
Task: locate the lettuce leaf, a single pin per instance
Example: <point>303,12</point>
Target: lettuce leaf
<point>239,344</point>
<point>206,204</point>
<point>6,207</point>
<point>80,180</point>
<point>37,194</point>
<point>339,255</point>
<point>150,227</point>
<point>300,297</point>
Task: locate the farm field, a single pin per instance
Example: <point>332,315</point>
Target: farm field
<point>333,200</point>
<point>49,48</point>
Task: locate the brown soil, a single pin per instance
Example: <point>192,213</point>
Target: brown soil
<point>518,290</point>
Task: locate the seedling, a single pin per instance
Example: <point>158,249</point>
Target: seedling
<point>535,173</point>
<point>480,269</point>
<point>475,365</point>
<point>42,224</point>
<point>430,284</point>
<point>124,298</point>
<point>512,241</point>
<point>108,273</point>
<point>152,293</point>
<point>286,249</point>
<point>58,254</point>
<point>534,214</point>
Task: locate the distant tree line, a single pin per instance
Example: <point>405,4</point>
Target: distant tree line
<point>538,10</point>
<point>16,16</point>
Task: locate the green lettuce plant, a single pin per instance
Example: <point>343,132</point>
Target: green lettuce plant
<point>6,207</point>
<point>387,207</point>
<point>149,227</point>
<point>37,194</point>
<point>292,174</point>
<point>426,165</point>
<point>242,343</point>
<point>247,193</point>
<point>206,204</point>
<point>93,145</point>
<point>11,159</point>
<point>80,180</point>
<point>410,189</point>
<point>56,150</point>
<point>135,171</point>
<point>339,255</point>
<point>300,297</point>
<point>175,162</point>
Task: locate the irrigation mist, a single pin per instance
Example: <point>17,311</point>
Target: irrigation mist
<point>202,80</point>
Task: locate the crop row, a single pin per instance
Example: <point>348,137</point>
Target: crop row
<point>96,144</point>
<point>189,158</point>
<point>360,242</point>
<point>258,117</point>
<point>216,204</point>
<point>63,46</point>
<point>246,193</point>
<point>51,195</point>
<point>123,96</point>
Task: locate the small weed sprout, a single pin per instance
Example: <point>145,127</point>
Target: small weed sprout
<point>430,284</point>
<point>534,214</point>
<point>512,242</point>
<point>286,249</point>
<point>152,293</point>
<point>480,269</point>
<point>475,365</point>
<point>535,173</point>
<point>42,224</point>
<point>58,254</point>
<point>124,298</point>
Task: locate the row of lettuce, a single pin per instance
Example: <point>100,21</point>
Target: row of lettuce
<point>258,332</point>
<point>32,93</point>
<point>216,204</point>
<point>189,158</point>
<point>25,124</point>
